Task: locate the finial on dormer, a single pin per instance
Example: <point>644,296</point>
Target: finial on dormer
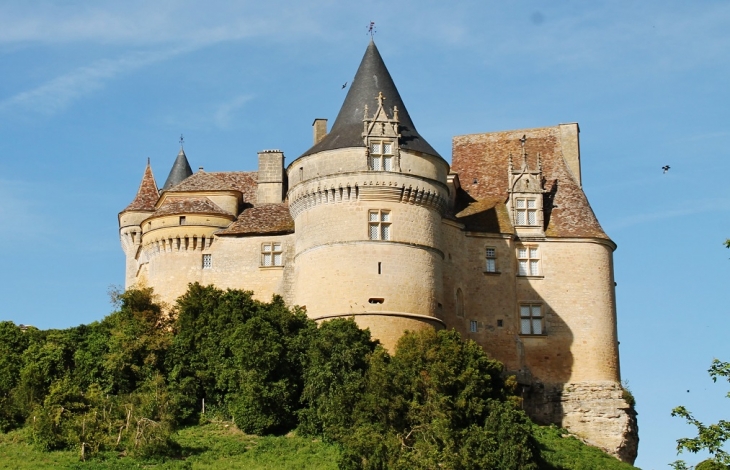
<point>511,167</point>
<point>371,30</point>
<point>539,162</point>
<point>366,113</point>
<point>395,113</point>
<point>524,152</point>
<point>381,98</point>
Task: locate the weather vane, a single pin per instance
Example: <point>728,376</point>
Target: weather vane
<point>371,29</point>
<point>182,141</point>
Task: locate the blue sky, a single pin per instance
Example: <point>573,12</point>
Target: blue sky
<point>90,90</point>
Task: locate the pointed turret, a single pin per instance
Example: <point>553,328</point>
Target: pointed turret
<point>147,194</point>
<point>372,79</point>
<point>180,170</point>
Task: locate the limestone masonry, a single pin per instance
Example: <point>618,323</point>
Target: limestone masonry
<point>372,223</point>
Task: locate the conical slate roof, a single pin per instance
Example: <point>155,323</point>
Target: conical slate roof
<point>372,77</point>
<point>147,194</point>
<point>180,170</point>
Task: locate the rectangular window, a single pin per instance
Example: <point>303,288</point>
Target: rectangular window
<point>271,254</point>
<point>380,156</point>
<point>379,225</point>
<point>531,319</point>
<point>473,326</point>
<point>526,211</point>
<point>207,261</point>
<point>491,266</point>
<point>182,220</point>
<point>528,261</point>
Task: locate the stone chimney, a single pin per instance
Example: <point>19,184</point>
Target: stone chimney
<point>270,177</point>
<point>319,126</point>
<point>570,143</point>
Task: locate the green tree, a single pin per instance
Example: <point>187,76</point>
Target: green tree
<point>242,357</point>
<point>13,343</point>
<point>335,366</point>
<point>710,438</point>
<point>438,402</point>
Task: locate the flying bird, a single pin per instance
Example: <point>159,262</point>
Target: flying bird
<point>343,86</point>
<point>665,168</point>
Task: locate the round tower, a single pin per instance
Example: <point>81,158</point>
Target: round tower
<point>367,201</point>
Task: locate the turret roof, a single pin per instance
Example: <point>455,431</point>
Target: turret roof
<point>372,78</point>
<point>147,194</point>
<point>179,171</point>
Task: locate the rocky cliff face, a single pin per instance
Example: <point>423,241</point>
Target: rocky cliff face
<point>596,412</point>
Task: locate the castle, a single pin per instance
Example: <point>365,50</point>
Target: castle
<point>371,223</point>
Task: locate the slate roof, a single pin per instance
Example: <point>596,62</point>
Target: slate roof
<point>371,78</point>
<point>264,219</point>
<point>242,181</point>
<point>179,171</point>
<point>147,194</point>
<point>484,158</point>
<point>189,205</point>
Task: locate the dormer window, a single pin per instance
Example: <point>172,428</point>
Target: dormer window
<point>381,156</point>
<point>525,211</point>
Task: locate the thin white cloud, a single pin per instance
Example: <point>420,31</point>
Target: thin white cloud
<point>163,29</point>
<point>225,113</point>
<point>222,115</point>
<point>697,207</point>
<point>57,93</point>
<point>140,22</point>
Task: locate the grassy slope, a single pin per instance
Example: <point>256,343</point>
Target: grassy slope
<point>218,446</point>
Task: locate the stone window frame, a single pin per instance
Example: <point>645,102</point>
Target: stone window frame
<point>531,324</point>
<point>269,252</point>
<point>526,216</point>
<point>379,158</point>
<point>473,326</point>
<point>379,224</point>
<point>531,259</point>
<point>490,260</point>
<point>207,261</point>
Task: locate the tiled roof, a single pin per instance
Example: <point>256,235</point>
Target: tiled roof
<point>484,158</point>
<point>147,194</point>
<point>263,219</point>
<point>242,181</point>
<point>189,205</point>
<point>487,215</point>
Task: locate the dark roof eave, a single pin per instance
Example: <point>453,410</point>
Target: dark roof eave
<point>254,234</point>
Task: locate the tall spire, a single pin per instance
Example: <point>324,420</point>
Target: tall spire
<point>371,79</point>
<point>147,194</point>
<point>180,170</point>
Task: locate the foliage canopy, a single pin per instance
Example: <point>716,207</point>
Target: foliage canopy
<point>129,382</point>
